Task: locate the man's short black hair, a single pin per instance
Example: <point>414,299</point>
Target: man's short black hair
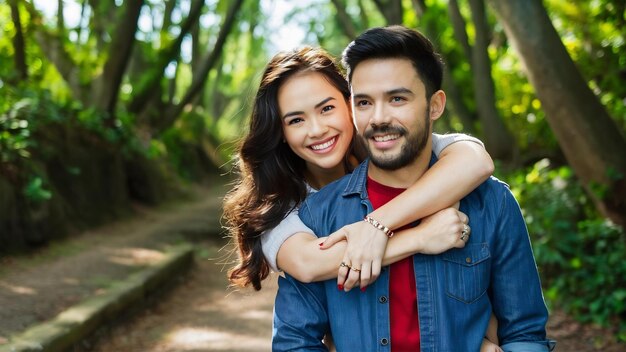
<point>397,42</point>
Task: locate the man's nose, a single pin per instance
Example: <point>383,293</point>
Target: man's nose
<point>380,115</point>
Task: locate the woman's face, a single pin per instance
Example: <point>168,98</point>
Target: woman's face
<point>316,121</point>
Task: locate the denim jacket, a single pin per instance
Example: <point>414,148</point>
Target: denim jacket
<point>456,290</point>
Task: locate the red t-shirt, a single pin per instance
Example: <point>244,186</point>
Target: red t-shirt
<point>404,323</point>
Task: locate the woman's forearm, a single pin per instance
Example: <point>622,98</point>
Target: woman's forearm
<point>461,167</point>
<point>301,257</point>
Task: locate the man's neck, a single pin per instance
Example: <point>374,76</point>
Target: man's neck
<point>403,177</point>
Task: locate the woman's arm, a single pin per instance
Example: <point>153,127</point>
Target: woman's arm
<point>463,165</point>
<point>301,258</point>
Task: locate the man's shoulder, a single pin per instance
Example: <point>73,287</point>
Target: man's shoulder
<point>492,192</point>
<point>329,193</point>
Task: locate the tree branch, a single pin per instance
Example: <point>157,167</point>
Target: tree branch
<point>108,84</point>
<point>199,77</point>
<point>164,58</point>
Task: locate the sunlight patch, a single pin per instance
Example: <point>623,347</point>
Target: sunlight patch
<point>20,290</point>
<point>213,340</point>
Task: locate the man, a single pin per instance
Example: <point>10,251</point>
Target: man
<point>425,302</point>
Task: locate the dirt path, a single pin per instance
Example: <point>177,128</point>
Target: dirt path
<point>200,315</point>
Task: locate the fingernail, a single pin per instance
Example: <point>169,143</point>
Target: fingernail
<point>321,244</point>
<point>363,288</point>
<point>340,287</point>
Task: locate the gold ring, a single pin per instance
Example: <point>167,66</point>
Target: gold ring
<point>342,265</point>
<point>355,269</point>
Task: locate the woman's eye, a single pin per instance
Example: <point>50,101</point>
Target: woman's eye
<point>294,121</point>
<point>327,108</point>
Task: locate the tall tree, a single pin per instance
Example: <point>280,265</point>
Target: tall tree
<point>200,76</point>
<point>345,21</point>
<point>453,92</point>
<point>18,41</point>
<point>391,10</point>
<point>107,85</point>
<point>498,140</point>
<point>590,139</point>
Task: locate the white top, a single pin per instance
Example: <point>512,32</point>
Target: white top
<point>271,240</point>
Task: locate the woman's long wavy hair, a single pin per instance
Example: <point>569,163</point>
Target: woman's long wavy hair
<point>271,176</point>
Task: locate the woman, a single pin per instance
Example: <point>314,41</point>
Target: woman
<point>301,138</point>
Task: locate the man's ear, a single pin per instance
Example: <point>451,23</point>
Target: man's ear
<point>437,104</point>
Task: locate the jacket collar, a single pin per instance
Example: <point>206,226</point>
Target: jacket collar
<point>357,181</point>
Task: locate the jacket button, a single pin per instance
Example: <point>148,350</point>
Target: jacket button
<point>468,260</point>
<point>382,299</point>
<point>384,341</point>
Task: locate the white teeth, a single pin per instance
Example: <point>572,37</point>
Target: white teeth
<point>386,137</point>
<point>323,145</point>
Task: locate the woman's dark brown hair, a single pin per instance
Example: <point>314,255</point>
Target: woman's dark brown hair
<point>271,176</point>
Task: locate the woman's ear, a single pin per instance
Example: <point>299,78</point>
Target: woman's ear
<point>437,104</point>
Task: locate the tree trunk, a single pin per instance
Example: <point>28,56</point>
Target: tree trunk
<point>459,29</point>
<point>52,47</point>
<point>199,77</point>
<point>391,10</point>
<point>344,20</point>
<point>60,18</point>
<point>18,42</point>
<point>365,21</point>
<point>498,140</point>
<point>455,97</point>
<point>590,139</point>
<point>143,96</point>
<point>108,84</point>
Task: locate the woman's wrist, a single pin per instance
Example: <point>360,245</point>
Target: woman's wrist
<point>377,224</point>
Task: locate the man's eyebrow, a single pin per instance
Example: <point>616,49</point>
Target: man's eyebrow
<point>360,96</point>
<point>399,91</point>
<point>387,93</point>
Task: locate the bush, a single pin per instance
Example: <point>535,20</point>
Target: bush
<point>581,256</point>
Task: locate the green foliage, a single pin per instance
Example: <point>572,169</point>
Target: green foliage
<point>580,255</point>
<point>36,191</point>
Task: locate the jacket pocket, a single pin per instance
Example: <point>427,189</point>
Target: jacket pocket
<point>467,272</point>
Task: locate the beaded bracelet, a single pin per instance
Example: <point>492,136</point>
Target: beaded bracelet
<point>379,226</point>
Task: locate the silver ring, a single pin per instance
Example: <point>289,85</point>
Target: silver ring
<point>465,232</point>
<point>342,265</point>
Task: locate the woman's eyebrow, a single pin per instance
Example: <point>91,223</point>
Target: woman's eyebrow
<point>324,102</point>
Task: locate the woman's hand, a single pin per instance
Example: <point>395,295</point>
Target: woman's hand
<point>488,346</point>
<point>443,231</point>
<point>362,259</point>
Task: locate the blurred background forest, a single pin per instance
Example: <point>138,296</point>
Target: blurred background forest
<point>106,103</point>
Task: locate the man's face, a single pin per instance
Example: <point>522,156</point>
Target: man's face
<point>391,112</point>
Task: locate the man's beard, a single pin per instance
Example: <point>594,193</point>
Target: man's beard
<point>410,151</point>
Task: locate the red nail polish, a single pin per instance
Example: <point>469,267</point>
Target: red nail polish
<point>340,287</point>
<point>321,244</point>
<point>363,288</point>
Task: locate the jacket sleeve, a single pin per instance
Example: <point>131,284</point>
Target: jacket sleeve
<point>300,318</point>
<point>515,287</point>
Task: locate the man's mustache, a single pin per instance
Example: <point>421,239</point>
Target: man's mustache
<point>383,129</point>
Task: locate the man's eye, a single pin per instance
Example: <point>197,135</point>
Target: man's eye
<point>397,99</point>
<point>362,103</point>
